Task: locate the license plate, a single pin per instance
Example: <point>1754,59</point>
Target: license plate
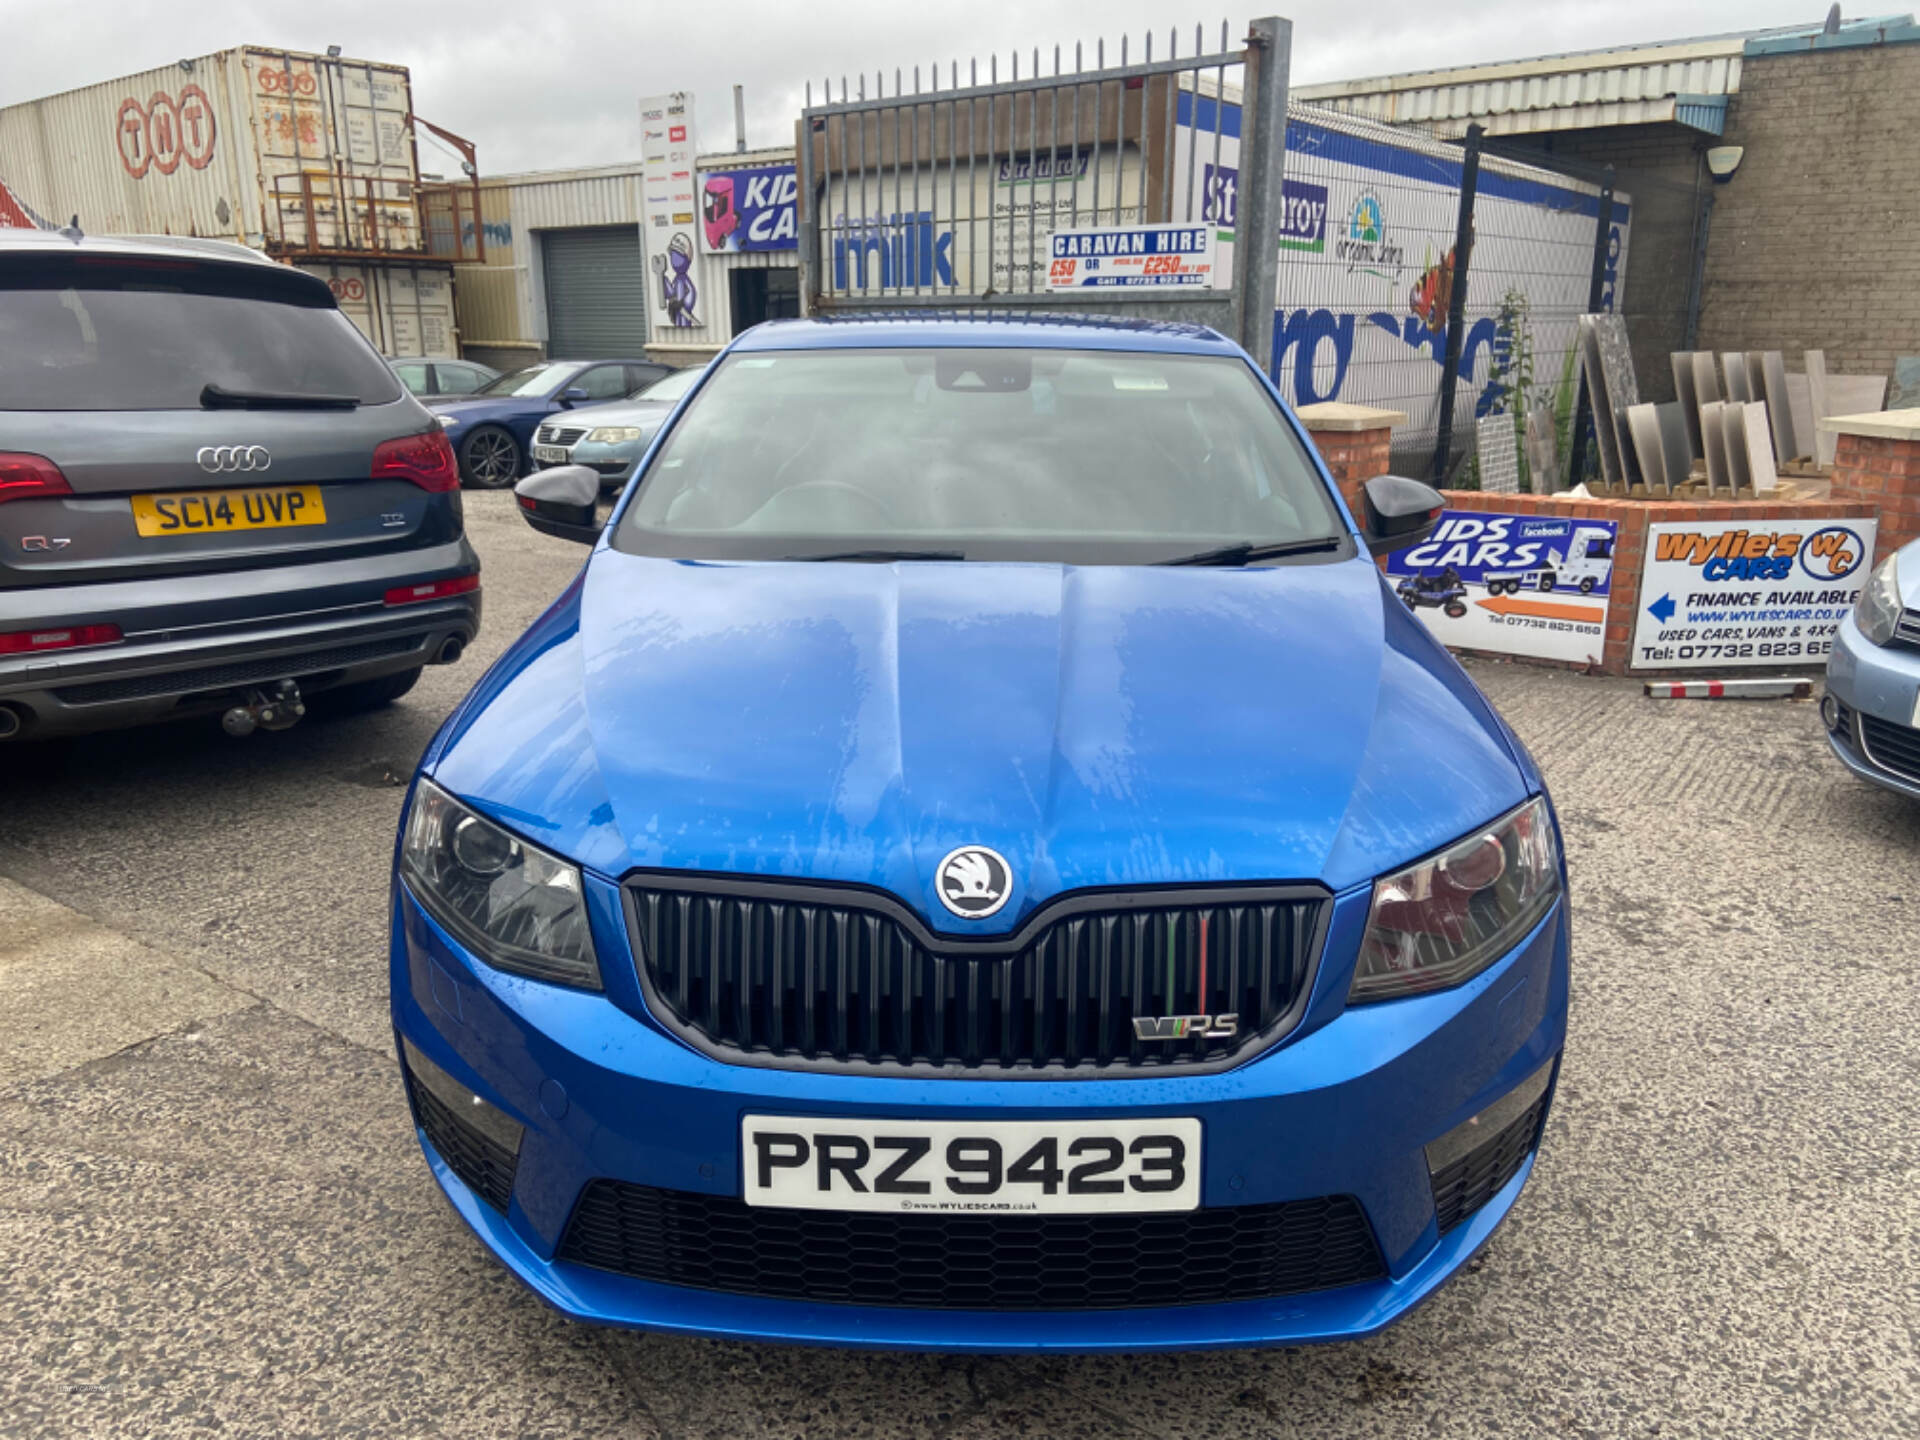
<point>550,454</point>
<point>199,512</point>
<point>1019,1167</point>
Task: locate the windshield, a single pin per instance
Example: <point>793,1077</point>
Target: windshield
<point>1081,457</point>
<point>534,380</point>
<point>96,333</point>
<point>672,387</point>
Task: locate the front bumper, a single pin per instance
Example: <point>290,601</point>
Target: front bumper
<point>1878,688</point>
<point>1348,1107</point>
<point>194,642</point>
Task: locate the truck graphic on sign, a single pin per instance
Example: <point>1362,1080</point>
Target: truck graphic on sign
<point>1586,563</point>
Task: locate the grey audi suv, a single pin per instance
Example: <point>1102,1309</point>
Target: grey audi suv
<point>215,496</point>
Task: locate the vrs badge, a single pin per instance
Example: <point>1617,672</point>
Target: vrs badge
<point>1185,1027</point>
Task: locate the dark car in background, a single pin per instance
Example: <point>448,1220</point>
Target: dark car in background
<point>428,378</point>
<point>215,496</point>
<point>492,430</point>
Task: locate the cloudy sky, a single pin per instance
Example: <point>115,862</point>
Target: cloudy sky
<point>548,83</point>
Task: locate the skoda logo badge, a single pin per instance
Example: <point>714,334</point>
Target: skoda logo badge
<point>974,882</point>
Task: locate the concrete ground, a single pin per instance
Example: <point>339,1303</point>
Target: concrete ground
<point>215,1216</point>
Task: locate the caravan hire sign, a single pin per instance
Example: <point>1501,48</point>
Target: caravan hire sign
<point>1512,584</point>
<point>1126,256</point>
<point>1727,594</point>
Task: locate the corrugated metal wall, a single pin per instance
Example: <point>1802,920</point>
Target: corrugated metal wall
<point>503,304</point>
<point>197,148</point>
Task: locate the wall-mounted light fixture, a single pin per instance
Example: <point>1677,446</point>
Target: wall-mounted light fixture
<point>1723,160</point>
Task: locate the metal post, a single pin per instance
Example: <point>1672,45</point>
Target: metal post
<point>1263,159</point>
<point>1457,302</point>
<point>740,119</point>
<point>1596,293</point>
<point>1698,279</point>
<point>808,218</point>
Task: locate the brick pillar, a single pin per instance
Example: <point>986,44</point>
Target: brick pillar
<point>1354,440</point>
<point>1877,464</point>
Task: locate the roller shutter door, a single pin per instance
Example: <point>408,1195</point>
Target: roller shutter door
<point>596,293</point>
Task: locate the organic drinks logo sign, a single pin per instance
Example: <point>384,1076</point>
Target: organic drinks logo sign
<point>1512,584</point>
<point>1760,593</point>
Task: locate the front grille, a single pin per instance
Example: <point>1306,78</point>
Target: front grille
<point>817,976</point>
<point>482,1162</point>
<point>973,1262</point>
<point>1906,630</point>
<point>557,435</point>
<point>244,672</point>
<point>1466,1184</point>
<point>611,467</point>
<point>1891,746</point>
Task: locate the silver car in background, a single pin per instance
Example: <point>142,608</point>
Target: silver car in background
<point>610,439</point>
<point>1872,704</point>
<point>215,496</point>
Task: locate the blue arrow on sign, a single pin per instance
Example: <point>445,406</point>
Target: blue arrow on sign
<point>1662,609</point>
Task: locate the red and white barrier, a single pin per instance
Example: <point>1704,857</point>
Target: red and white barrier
<point>1783,689</point>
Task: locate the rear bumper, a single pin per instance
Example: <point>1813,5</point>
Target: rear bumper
<point>193,642</point>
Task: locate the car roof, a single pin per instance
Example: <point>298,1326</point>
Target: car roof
<point>174,246</point>
<point>597,360</point>
<point>910,329</point>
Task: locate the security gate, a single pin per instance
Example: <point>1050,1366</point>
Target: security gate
<point>1102,186</point>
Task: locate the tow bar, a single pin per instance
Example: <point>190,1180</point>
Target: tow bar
<point>277,709</point>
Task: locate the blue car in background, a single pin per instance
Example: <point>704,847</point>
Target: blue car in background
<point>1872,704</point>
<point>492,428</point>
<point>978,859</point>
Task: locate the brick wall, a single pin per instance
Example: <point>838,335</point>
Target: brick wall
<point>1354,457</point>
<point>1815,243</point>
<point>1656,166</point>
<point>1884,475</point>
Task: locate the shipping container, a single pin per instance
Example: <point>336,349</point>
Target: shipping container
<point>291,153</point>
<point>405,308</point>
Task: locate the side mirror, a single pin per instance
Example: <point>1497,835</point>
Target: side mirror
<point>560,502</point>
<point>1400,512</point>
<point>573,395</point>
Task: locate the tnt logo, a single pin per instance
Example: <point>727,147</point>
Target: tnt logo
<point>1832,554</point>
<point>165,131</point>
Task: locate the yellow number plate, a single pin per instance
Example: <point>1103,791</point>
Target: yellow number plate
<point>197,512</point>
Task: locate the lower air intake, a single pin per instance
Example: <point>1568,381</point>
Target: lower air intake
<point>973,1262</point>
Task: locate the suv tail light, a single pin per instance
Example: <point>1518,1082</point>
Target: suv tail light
<point>28,477</point>
<point>66,637</point>
<point>425,459</point>
<point>432,590</point>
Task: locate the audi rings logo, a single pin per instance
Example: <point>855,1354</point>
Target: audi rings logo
<point>219,459</point>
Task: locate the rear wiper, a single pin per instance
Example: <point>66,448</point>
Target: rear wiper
<point>884,555</point>
<point>1245,553</point>
<point>218,397</point>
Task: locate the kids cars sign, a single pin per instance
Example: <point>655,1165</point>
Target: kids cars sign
<point>748,210</point>
<point>1765,593</point>
<point>1512,584</point>
<point>1111,257</point>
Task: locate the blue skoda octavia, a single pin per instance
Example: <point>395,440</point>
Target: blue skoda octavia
<point>978,860</point>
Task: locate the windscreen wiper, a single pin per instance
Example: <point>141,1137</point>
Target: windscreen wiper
<point>1246,553</point>
<point>884,555</point>
<point>218,397</point>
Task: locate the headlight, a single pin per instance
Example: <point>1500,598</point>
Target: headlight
<point>515,905</point>
<point>1877,612</point>
<point>614,434</point>
<point>1446,919</point>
